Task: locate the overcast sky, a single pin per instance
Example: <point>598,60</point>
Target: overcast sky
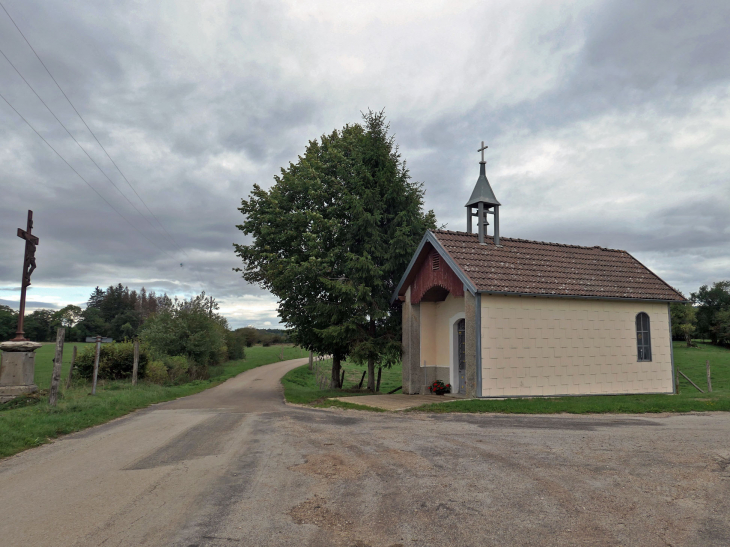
<point>608,123</point>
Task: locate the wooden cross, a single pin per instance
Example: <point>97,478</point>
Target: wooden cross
<point>28,267</point>
<point>482,149</point>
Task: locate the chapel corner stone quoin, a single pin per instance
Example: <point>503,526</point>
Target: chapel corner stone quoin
<point>17,357</point>
<point>503,317</point>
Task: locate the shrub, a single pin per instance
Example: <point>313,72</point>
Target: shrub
<point>187,329</point>
<point>157,372</point>
<point>236,341</point>
<point>177,367</point>
<point>115,361</point>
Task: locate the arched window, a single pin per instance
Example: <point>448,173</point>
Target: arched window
<point>643,338</point>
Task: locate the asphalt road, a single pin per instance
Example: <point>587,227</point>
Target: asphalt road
<point>235,466</point>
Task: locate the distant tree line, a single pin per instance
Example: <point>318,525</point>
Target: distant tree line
<point>266,337</point>
<point>180,338</point>
<point>115,313</point>
<point>706,316</point>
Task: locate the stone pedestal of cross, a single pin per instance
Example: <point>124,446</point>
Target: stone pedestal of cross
<point>17,362</point>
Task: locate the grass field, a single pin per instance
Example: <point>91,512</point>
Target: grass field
<point>36,423</point>
<point>44,362</point>
<point>300,385</point>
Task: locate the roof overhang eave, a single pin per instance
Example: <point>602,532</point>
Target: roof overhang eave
<point>584,297</point>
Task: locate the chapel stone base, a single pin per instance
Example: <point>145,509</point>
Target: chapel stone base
<point>17,369</point>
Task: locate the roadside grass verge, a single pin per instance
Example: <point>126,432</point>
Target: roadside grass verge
<point>30,421</point>
<point>691,361</point>
<point>300,385</point>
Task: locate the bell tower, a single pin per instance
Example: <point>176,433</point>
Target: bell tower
<point>485,202</point>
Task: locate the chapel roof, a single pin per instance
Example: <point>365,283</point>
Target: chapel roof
<point>520,266</point>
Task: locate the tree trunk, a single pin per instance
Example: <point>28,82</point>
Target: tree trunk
<point>336,371</point>
<point>371,374</point>
<point>371,361</point>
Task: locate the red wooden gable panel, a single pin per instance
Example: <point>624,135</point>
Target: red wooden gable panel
<point>435,272</point>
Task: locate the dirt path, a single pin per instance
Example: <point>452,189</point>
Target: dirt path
<point>235,466</point>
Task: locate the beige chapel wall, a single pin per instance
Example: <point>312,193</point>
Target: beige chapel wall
<point>428,333</point>
<point>436,331</point>
<point>554,346</point>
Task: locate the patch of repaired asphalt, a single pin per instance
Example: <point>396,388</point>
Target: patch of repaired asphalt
<point>205,439</point>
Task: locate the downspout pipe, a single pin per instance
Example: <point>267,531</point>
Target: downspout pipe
<point>478,337</point>
<point>671,350</point>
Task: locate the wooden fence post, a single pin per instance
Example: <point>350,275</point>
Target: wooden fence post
<point>377,387</point>
<point>71,369</point>
<point>676,382</point>
<point>57,363</point>
<point>96,364</point>
<point>311,359</point>
<point>135,365</point>
<point>691,382</point>
<point>709,380</point>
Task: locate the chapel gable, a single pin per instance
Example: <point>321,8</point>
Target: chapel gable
<point>435,280</point>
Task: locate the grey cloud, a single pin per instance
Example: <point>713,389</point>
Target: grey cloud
<point>30,305</point>
<point>169,97</point>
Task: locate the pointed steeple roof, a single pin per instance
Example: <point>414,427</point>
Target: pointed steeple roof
<point>482,191</point>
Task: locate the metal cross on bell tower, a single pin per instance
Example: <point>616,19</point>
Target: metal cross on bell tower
<point>482,149</point>
<point>483,199</point>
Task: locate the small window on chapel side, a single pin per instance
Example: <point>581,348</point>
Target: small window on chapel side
<point>643,337</point>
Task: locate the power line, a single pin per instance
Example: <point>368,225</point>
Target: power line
<point>84,150</point>
<point>77,173</point>
<point>90,131</point>
<point>74,138</point>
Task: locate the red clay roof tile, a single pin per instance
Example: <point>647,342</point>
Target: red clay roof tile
<point>553,269</point>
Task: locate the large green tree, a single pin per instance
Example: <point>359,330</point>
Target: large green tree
<point>331,239</point>
<point>710,303</point>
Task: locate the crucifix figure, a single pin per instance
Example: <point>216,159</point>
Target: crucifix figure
<point>482,149</point>
<point>28,267</point>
